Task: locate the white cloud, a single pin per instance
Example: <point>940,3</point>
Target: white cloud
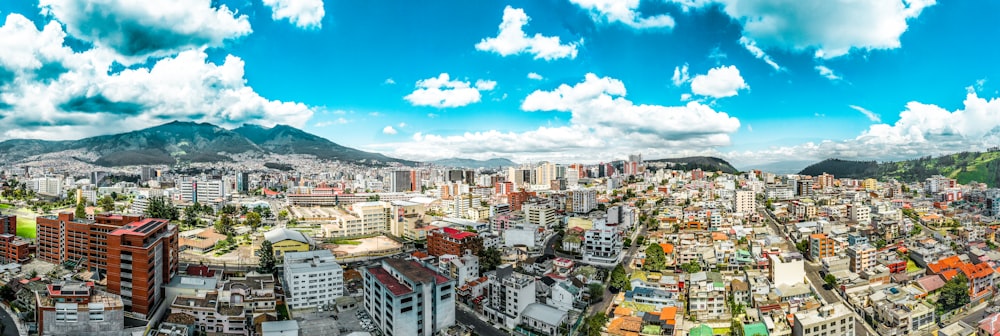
<point>874,117</point>
<point>442,92</point>
<point>602,123</point>
<point>680,75</point>
<point>402,124</point>
<point>389,130</point>
<point>512,39</point>
<point>305,14</point>
<point>535,76</point>
<point>685,96</point>
<point>338,121</point>
<point>57,93</point>
<point>625,12</point>
<point>828,73</point>
<point>389,81</point>
<point>757,52</point>
<point>719,82</point>
<point>485,85</point>
<point>138,29</point>
<point>375,114</point>
<point>830,28</point>
<point>432,115</point>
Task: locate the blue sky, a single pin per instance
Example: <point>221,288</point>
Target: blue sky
<point>750,81</point>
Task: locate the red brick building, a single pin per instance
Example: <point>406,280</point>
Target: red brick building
<point>516,199</point>
<point>451,241</point>
<point>107,245</point>
<point>8,224</point>
<point>12,247</point>
<point>142,257</point>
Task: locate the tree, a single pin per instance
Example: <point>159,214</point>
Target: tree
<point>627,242</point>
<point>107,203</point>
<point>916,230</point>
<point>955,293</point>
<point>592,326</point>
<point>640,240</point>
<point>691,267</point>
<point>161,207</point>
<point>803,246</point>
<point>253,220</point>
<point>7,293</point>
<point>81,208</point>
<point>283,214</point>
<point>489,259</point>
<point>880,244</point>
<point>655,258</point>
<point>224,224</point>
<point>619,279</point>
<point>831,280</point>
<point>596,291</point>
<point>191,215</point>
<point>266,255</point>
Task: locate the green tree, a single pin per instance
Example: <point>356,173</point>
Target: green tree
<point>161,207</point>
<point>596,291</point>
<point>831,280</point>
<point>191,217</point>
<point>253,220</point>
<point>803,246</point>
<point>224,224</point>
<point>593,324</point>
<point>691,267</point>
<point>81,208</point>
<point>955,293</point>
<point>7,293</point>
<point>916,230</point>
<point>283,214</point>
<point>107,203</point>
<point>489,259</point>
<point>619,279</point>
<point>266,256</point>
<point>656,260</point>
<point>880,244</point>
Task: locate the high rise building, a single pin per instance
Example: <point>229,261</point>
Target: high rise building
<point>820,246</point>
<point>141,258</point>
<point>313,279</point>
<point>744,202</point>
<point>581,201</point>
<point>243,183</point>
<point>401,181</point>
<point>406,298</point>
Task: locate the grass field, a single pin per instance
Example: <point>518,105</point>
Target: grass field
<point>346,242</point>
<point>4,206</point>
<point>911,266</point>
<point>26,228</point>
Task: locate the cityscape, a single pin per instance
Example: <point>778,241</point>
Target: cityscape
<point>374,168</point>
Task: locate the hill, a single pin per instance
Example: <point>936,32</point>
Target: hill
<point>470,163</point>
<point>179,141</point>
<point>706,163</point>
<point>964,167</point>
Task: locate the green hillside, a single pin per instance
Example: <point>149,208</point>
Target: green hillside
<point>964,167</point>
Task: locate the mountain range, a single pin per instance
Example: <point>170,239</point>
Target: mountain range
<point>965,167</point>
<point>706,163</point>
<point>180,141</point>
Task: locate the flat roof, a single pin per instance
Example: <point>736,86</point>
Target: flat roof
<point>414,271</point>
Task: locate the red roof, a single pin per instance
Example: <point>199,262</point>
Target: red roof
<point>390,283</point>
<point>991,324</point>
<point>457,234</point>
<point>200,270</point>
<point>419,254</point>
<point>269,192</point>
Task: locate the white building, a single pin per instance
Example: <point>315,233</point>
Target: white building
<point>463,269</point>
<point>834,319</point>
<point>787,269</point>
<point>510,293</point>
<point>312,279</point>
<point>202,191</point>
<point>859,213</point>
<point>581,201</point>
<point>51,186</point>
<point>406,298</point>
<point>602,245</point>
<point>544,319</point>
<point>540,215</point>
<point>525,234</point>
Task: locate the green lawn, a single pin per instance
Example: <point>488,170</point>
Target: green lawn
<point>4,206</point>
<point>346,242</point>
<point>283,312</point>
<point>26,227</point>
<point>911,266</point>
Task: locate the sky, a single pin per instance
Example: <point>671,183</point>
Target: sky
<point>753,82</point>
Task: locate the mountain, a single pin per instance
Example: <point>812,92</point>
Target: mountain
<point>706,163</point>
<point>780,167</point>
<point>179,141</point>
<point>470,163</point>
<point>964,167</point>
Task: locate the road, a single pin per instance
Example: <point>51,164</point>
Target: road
<point>479,327</point>
<point>9,328</point>
<point>973,318</point>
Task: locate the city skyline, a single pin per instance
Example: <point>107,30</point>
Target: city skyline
<point>561,81</point>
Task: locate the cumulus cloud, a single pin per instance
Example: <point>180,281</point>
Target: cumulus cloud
<point>602,123</point>
<point>389,130</point>
<point>757,52</point>
<point>719,82</point>
<point>305,14</point>
<point>442,92</point>
<point>830,28</point>
<point>512,40</point>
<point>680,75</point>
<point>535,76</point>
<point>56,93</point>
<point>338,121</point>
<point>874,117</point>
<point>828,73</point>
<point>138,29</point>
<point>624,12</point>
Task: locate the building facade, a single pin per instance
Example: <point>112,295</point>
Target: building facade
<point>142,257</point>
<point>452,241</point>
<point>405,298</point>
<point>76,308</point>
<point>312,279</point>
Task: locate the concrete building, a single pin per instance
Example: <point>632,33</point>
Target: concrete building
<point>407,218</point>
<point>13,249</point>
<point>452,241</point>
<point>312,279</point>
<point>142,257</point>
<point>859,213</point>
<point>787,269</point>
<point>821,246</point>
<point>286,241</point>
<point>744,202</point>
<point>540,215</point>
<point>862,257</point>
<point>706,294</point>
<point>405,298</point>
<point>602,245</point>
<point>832,320</point>
<point>401,181</point>
<point>510,293</point>
<point>233,308</point>
<point>202,191</point>
<point>463,269</point>
<point>75,308</point>
<point>543,319</point>
<point>581,201</point>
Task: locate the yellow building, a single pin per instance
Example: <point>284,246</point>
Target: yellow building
<point>869,184</point>
<point>285,240</point>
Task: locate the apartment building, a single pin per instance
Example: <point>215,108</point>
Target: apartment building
<point>233,308</point>
<point>77,242</point>
<point>452,241</point>
<point>407,218</point>
<point>541,215</point>
<point>510,293</point>
<point>744,202</point>
<point>602,244</point>
<point>581,201</point>
<point>830,320</point>
<point>787,269</point>
<point>312,279</point>
<point>862,257</point>
<point>141,258</point>
<point>821,246</point>
<point>706,294</point>
<point>405,298</point>
<point>76,308</point>
<point>202,191</point>
<point>463,269</point>
<point>859,213</point>
<point>13,249</point>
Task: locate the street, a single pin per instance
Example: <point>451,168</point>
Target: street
<point>479,327</point>
<point>9,328</point>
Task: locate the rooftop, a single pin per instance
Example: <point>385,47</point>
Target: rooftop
<point>415,271</point>
<point>140,228</point>
<point>545,313</point>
